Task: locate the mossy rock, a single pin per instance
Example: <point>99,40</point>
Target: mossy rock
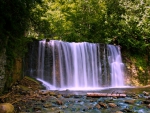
<point>30,83</point>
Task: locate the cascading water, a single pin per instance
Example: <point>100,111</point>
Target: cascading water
<point>64,65</point>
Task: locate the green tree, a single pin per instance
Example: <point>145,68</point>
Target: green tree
<point>134,34</point>
<point>16,17</point>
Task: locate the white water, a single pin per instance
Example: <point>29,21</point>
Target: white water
<point>79,65</point>
<point>116,66</point>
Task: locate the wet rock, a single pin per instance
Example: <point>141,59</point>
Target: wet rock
<point>91,100</point>
<point>118,112</point>
<point>77,96</point>
<point>127,110</point>
<point>148,97</point>
<point>64,107</point>
<point>47,105</point>
<point>89,107</point>
<point>59,111</point>
<point>97,106</point>
<point>37,108</point>
<point>135,96</point>
<point>115,97</point>
<point>6,108</point>
<point>146,101</point>
<point>43,100</point>
<point>59,96</point>
<point>36,95</point>
<point>146,93</point>
<point>109,100</point>
<point>130,101</point>
<point>148,106</point>
<point>51,93</point>
<point>53,110</point>
<point>104,105</point>
<point>31,93</point>
<point>44,92</point>
<point>84,109</point>
<point>67,96</point>
<point>113,105</point>
<point>67,89</point>
<point>79,101</point>
<point>59,102</point>
<point>131,94</point>
<point>53,99</point>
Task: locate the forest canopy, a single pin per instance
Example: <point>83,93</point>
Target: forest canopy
<point>121,22</point>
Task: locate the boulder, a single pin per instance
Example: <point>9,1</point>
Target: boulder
<point>6,108</point>
<point>146,101</point>
<point>148,106</point>
<point>104,105</point>
<point>113,105</point>
<point>130,101</point>
<point>146,93</point>
<point>97,106</point>
<point>118,112</point>
<point>59,102</point>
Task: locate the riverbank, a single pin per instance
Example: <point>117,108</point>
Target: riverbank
<point>28,96</point>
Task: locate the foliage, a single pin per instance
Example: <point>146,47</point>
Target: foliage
<point>135,25</point>
<point>15,19</point>
<point>120,22</point>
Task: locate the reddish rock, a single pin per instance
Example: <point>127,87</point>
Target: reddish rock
<point>104,105</point>
<point>97,106</point>
<point>148,105</point>
<point>6,108</point>
<point>146,101</point>
<point>59,102</point>
<point>130,101</point>
<point>113,105</point>
<point>146,93</point>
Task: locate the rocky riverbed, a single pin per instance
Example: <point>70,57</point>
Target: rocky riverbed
<point>27,97</point>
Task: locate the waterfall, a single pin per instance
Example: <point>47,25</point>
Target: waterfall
<point>64,65</point>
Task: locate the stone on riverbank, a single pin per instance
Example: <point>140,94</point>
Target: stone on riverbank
<point>118,112</point>
<point>146,101</point>
<point>148,106</point>
<point>104,105</point>
<point>113,105</point>
<point>130,101</point>
<point>97,106</point>
<point>6,108</point>
<point>146,93</point>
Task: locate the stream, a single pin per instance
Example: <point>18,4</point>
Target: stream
<point>137,100</point>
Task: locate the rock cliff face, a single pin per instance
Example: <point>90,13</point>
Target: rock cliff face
<point>8,78</point>
<point>2,70</point>
<point>137,70</point>
<point>17,70</point>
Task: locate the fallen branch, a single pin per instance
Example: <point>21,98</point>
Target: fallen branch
<point>105,95</point>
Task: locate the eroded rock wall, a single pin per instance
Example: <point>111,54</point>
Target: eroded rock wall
<point>2,69</point>
<point>137,69</point>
